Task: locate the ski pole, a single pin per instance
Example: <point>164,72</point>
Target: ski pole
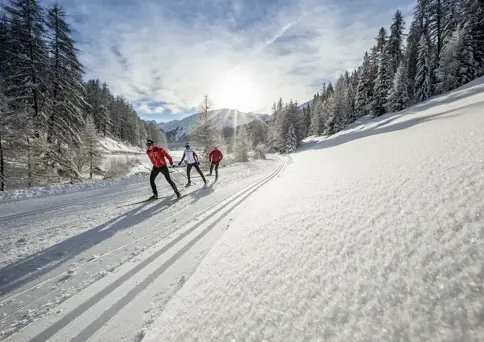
<point>184,176</point>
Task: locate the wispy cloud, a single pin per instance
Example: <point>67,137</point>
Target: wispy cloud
<point>174,52</point>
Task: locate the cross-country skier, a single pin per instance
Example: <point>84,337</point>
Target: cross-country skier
<point>157,156</point>
<point>215,157</point>
<point>191,159</point>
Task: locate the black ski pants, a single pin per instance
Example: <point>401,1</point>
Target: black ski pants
<point>154,173</point>
<point>189,169</point>
<point>216,168</point>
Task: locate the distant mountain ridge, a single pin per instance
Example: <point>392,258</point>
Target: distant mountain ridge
<point>178,130</point>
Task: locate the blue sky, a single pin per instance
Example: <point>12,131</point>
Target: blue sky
<point>165,55</point>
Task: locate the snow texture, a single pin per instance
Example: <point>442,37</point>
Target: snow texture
<point>374,234</point>
<point>77,265</point>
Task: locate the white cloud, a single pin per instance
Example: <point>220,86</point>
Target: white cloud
<point>146,109</point>
<point>170,60</point>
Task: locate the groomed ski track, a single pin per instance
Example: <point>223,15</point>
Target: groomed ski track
<point>110,285</point>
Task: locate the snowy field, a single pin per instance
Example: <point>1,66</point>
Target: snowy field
<point>375,234</point>
<point>79,264</point>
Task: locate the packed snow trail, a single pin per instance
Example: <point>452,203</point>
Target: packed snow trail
<point>374,234</point>
<point>86,259</point>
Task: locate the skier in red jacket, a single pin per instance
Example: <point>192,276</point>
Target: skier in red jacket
<point>215,157</point>
<point>157,156</point>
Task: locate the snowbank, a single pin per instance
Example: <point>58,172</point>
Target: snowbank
<point>59,189</point>
<point>375,234</point>
<point>112,146</point>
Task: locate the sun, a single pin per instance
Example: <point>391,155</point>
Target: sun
<point>236,91</point>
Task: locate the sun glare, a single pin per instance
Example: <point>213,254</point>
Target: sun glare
<point>236,92</point>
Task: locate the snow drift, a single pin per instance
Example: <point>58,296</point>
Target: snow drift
<point>375,233</point>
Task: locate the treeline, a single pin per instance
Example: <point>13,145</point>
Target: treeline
<point>47,111</point>
<point>444,49</point>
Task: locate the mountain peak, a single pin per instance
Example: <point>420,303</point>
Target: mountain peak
<point>178,130</point>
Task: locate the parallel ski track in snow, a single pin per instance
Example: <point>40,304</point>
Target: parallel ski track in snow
<point>38,298</point>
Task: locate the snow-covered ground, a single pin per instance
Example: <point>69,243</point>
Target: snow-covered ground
<point>375,234</point>
<point>99,263</point>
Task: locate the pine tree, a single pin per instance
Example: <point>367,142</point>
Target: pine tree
<point>383,83</point>
<point>315,127</point>
<point>381,42</point>
<point>395,41</point>
<point>475,16</point>
<point>4,116</point>
<point>291,140</point>
<point>104,113</point>
<point>242,145</point>
<point>307,119</point>
<point>27,62</point>
<point>413,39</point>
<point>91,145</point>
<point>398,98</point>
<point>205,131</point>
<point>468,66</point>
<point>67,91</point>
<point>447,72</point>
<point>363,90</point>
<point>423,78</point>
<point>337,113</point>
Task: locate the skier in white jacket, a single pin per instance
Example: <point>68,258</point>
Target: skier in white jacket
<point>191,159</point>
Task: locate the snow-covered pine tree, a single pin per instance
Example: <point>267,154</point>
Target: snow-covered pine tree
<point>91,145</point>
<point>4,36</point>
<point>242,145</point>
<point>399,98</point>
<point>449,65</point>
<point>315,127</point>
<point>106,98</point>
<point>411,54</point>
<point>362,97</point>
<point>349,98</point>
<point>205,132</point>
<point>66,88</point>
<point>27,62</point>
<point>381,42</point>
<point>307,119</point>
<point>258,133</point>
<point>468,66</point>
<point>4,117</point>
<point>395,41</point>
<point>338,117</point>
<point>475,15</point>
<point>423,78</point>
<point>291,140</point>
<point>454,14</point>
<point>383,83</point>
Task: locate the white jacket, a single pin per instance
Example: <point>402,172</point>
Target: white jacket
<point>190,157</point>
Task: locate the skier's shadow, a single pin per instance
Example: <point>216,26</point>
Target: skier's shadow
<point>203,192</point>
<point>34,266</point>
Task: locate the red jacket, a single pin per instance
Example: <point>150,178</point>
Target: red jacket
<point>158,155</point>
<point>216,156</point>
